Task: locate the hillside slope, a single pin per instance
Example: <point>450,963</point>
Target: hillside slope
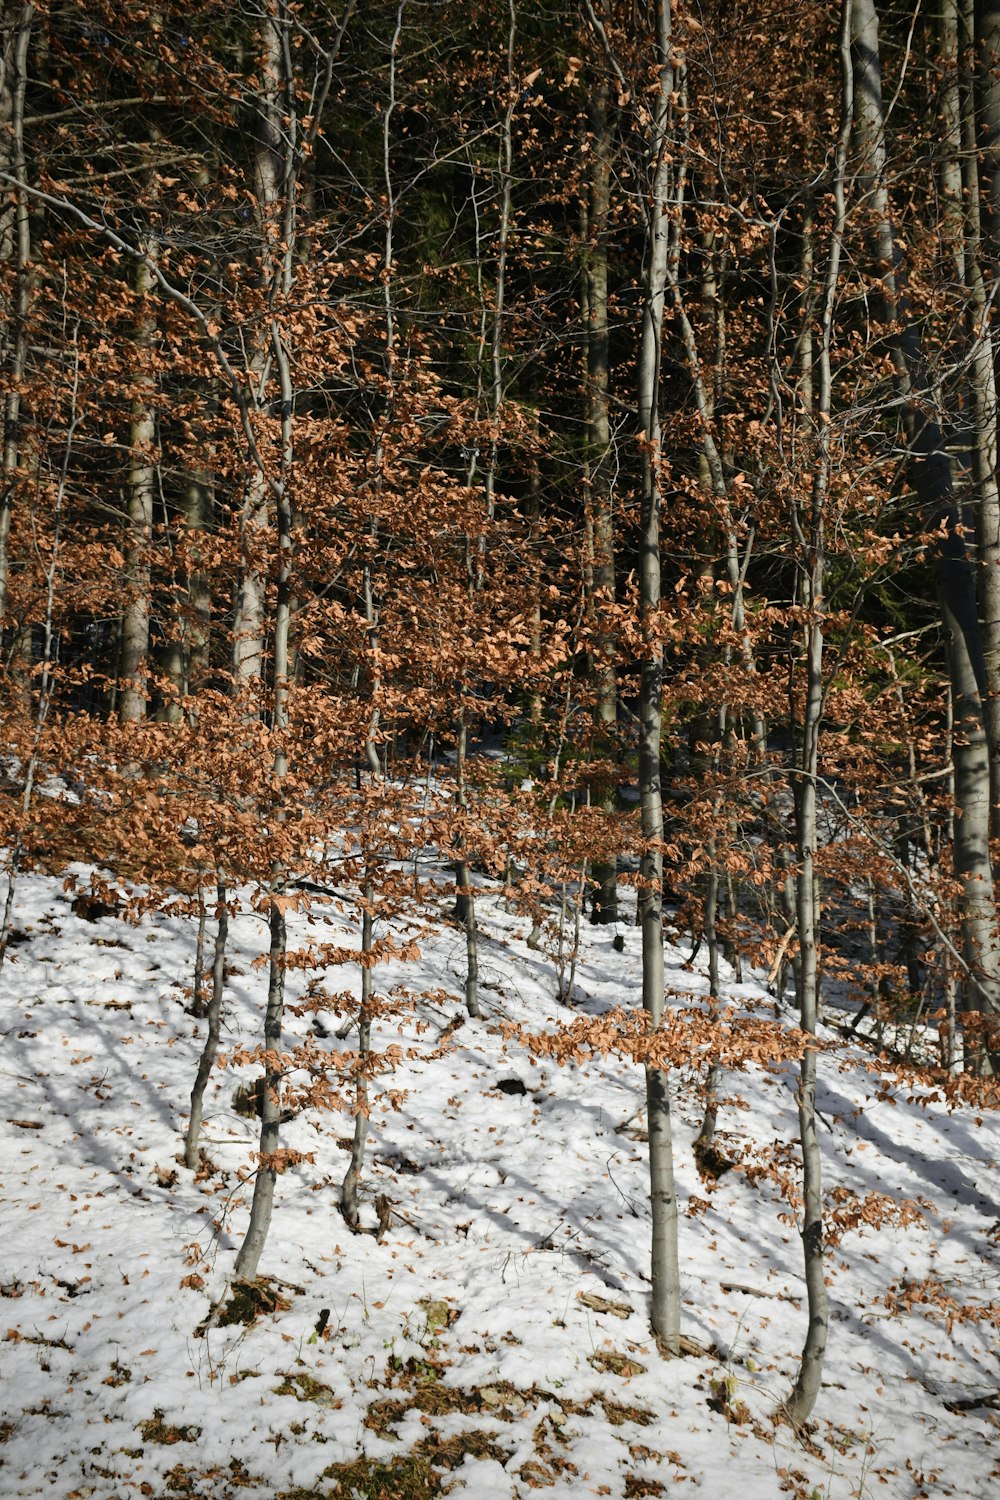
<point>495,1341</point>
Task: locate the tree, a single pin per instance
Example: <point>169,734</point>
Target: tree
<point>660,246</point>
<point>15,257</point>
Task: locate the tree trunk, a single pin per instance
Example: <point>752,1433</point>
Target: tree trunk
<point>15,248</point>
<point>665,1266</point>
<point>252,1248</point>
<point>983,91</point>
<point>270,182</point>
<point>199,506</point>
<point>807,1385</point>
<point>349,1189</point>
<point>710,1118</point>
<point>808,532</point>
<point>210,1051</point>
<point>141,498</point>
<point>142,475</point>
<point>601,471</point>
<point>465,901</point>
<point>273,176</point>
<point>985,31</point>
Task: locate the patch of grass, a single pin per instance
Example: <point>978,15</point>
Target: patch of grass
<point>439,1400</point>
<point>409,1477</point>
<point>449,1453</point>
<point>7,1430</point>
<point>221,1484</point>
<point>636,1486</point>
<point>181,1480</point>
<point>416,1475</point>
<point>382,1416</point>
<point>547,1440</point>
<point>156,1430</point>
<point>435,1399</point>
<point>536,1475</point>
<point>240,1476</point>
<point>305,1387</point>
<point>617,1414</point>
<point>250,1300</point>
<point>611,1362</point>
<point>422,1369</point>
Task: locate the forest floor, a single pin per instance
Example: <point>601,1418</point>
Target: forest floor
<point>496,1340</point>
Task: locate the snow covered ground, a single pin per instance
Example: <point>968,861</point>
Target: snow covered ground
<point>496,1340</point>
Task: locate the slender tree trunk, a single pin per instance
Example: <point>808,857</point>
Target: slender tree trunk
<point>963,165</point>
<point>807,1386</point>
<point>953,211</point>
<point>465,905</point>
<point>15,250</point>
<point>706,1135</point>
<point>274,176</point>
<point>465,900</point>
<point>143,468</point>
<point>210,1051</point>
<point>601,472</point>
<point>270,184</point>
<point>665,1266</point>
<point>141,499</point>
<point>252,1248</point>
<point>198,1007</point>
<point>186,657</point>
<point>349,1189</point>
<point>199,506</point>
<point>985,32</point>
<point>809,534</point>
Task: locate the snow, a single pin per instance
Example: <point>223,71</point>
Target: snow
<point>524,1215</point>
